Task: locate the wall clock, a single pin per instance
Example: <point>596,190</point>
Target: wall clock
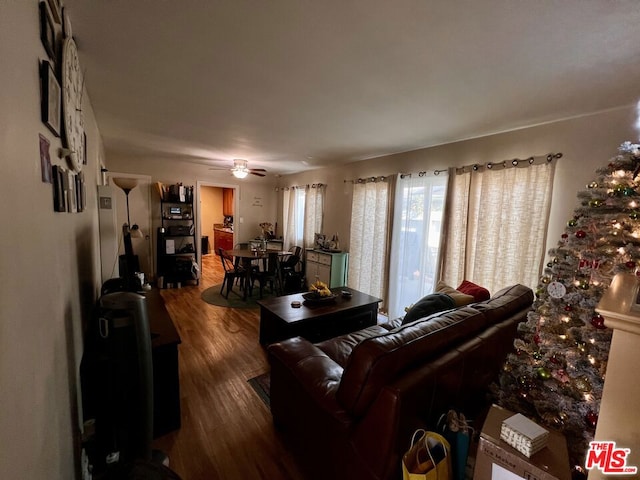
<point>72,87</point>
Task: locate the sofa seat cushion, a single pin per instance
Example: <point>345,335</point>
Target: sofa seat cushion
<point>375,361</point>
<point>339,348</point>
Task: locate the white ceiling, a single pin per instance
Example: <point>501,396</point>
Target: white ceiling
<point>295,84</point>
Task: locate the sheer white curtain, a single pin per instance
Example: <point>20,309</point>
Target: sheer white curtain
<point>415,244</point>
<point>293,204</point>
<point>313,212</point>
<point>368,236</point>
<point>497,225</point>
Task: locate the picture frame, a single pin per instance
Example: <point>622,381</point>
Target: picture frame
<point>48,34</point>
<point>56,10</point>
<point>59,194</point>
<point>45,159</point>
<point>51,101</point>
<point>84,148</point>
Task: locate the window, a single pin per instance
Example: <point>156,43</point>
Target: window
<point>415,244</point>
<point>497,225</point>
<point>303,211</point>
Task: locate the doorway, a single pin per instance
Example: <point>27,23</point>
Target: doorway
<point>217,206</point>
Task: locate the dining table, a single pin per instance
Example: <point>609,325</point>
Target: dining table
<point>245,257</point>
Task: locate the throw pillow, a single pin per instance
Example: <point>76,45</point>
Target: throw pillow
<point>479,293</point>
<point>428,305</point>
<point>458,297</point>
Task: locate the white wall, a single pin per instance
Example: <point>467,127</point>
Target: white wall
<point>587,143</point>
<point>49,269</point>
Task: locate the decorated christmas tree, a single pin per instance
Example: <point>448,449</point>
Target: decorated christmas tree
<point>556,374</point>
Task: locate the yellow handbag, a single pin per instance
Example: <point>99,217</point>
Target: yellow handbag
<point>428,458</point>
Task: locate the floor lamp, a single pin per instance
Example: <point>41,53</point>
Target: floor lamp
<point>129,263</point>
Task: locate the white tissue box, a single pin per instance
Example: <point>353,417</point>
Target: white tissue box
<point>523,434</point>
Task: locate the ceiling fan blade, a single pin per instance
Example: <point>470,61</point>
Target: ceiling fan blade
<point>253,172</point>
<point>257,169</point>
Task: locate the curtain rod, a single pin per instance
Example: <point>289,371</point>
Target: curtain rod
<point>380,178</point>
<point>422,174</point>
<point>508,163</point>
<point>311,185</point>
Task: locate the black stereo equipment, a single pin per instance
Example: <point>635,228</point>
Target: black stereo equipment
<point>178,230</point>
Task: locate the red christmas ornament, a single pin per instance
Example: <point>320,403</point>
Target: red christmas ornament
<point>568,308</point>
<point>631,265</point>
<point>592,419</point>
<point>598,321</point>
<point>581,234</point>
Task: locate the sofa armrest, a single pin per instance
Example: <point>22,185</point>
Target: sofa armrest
<point>304,381</point>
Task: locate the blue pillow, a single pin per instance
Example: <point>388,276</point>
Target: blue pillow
<point>428,305</point>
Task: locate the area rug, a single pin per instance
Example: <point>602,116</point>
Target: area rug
<point>262,386</point>
<point>212,296</point>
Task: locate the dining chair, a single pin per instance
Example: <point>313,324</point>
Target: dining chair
<point>270,274</point>
<point>231,272</point>
<point>290,271</point>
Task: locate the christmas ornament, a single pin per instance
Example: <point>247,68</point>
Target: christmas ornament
<point>556,290</point>
<point>595,203</point>
<point>568,308</point>
<point>593,185</point>
<point>581,234</point>
<point>628,192</point>
<point>598,321</point>
<point>543,373</point>
<point>592,419</point>
<point>634,215</point>
<point>618,189</point>
<point>630,265</point>
<point>582,384</point>
<point>572,223</point>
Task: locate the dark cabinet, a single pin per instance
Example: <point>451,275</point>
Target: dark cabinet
<point>222,239</point>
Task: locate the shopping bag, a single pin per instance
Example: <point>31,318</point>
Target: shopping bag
<point>428,458</point>
<point>455,428</point>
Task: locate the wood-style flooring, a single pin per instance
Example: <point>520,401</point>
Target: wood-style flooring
<point>227,431</point>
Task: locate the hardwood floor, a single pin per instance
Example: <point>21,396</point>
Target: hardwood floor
<point>227,431</point>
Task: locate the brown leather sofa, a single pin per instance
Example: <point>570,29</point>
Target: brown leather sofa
<point>348,406</point>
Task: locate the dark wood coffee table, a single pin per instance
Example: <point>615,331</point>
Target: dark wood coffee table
<point>316,322</point>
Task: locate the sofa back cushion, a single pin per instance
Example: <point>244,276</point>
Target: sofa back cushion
<point>376,361</point>
<point>505,303</point>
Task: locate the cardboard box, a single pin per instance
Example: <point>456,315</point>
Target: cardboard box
<point>497,460</point>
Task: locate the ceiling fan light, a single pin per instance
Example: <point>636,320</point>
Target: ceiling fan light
<point>239,172</point>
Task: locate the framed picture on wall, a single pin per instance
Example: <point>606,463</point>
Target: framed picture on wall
<point>51,99</point>
<point>45,159</point>
<point>47,31</point>
<point>56,10</point>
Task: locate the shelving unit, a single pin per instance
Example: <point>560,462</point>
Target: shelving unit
<point>177,246</point>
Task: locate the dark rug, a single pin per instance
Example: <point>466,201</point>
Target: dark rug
<point>262,386</point>
<point>212,296</point>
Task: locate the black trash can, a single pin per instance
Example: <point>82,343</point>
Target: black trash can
<point>205,245</point>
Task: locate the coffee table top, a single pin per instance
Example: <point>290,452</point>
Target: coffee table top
<point>281,306</point>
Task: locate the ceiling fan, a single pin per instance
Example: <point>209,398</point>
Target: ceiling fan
<point>240,169</point>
